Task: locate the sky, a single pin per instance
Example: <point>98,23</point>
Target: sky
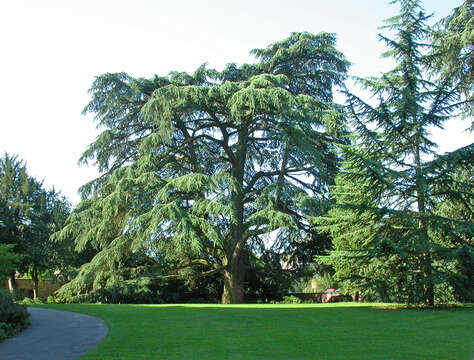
<point>51,50</point>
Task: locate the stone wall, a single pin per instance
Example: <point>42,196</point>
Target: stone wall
<point>24,288</point>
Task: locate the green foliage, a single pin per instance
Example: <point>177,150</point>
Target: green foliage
<point>197,168</point>
<point>452,54</point>
<point>457,260</point>
<point>386,217</point>
<point>302,285</point>
<point>51,300</point>
<point>16,197</point>
<point>118,294</point>
<point>8,260</point>
<point>30,301</point>
<point>13,317</point>
<point>189,290</point>
<point>265,279</point>
<point>325,282</point>
<point>29,215</point>
<point>291,300</point>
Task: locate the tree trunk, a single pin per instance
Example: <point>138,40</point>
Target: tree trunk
<point>233,289</point>
<point>428,287</point>
<point>34,277</point>
<point>234,272</point>
<point>12,286</point>
<point>234,281</point>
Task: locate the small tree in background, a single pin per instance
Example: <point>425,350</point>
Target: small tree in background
<point>15,203</point>
<point>29,214</point>
<point>48,213</point>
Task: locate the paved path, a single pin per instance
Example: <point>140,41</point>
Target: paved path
<point>54,335</point>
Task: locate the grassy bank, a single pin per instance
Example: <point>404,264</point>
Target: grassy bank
<point>339,331</point>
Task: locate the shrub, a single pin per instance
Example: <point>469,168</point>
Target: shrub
<point>30,301</point>
<point>51,300</point>
<point>13,317</point>
<point>27,301</point>
<point>173,291</point>
<point>291,300</point>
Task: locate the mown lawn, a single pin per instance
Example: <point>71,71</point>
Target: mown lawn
<point>339,331</point>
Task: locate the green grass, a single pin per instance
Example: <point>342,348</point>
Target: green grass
<point>339,331</point>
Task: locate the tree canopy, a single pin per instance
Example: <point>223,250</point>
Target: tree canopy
<point>8,259</point>
<point>29,214</point>
<point>453,50</point>
<point>199,168</point>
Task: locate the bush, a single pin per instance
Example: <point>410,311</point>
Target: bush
<point>51,300</point>
<point>30,301</point>
<point>117,294</point>
<point>27,301</point>
<point>13,317</point>
<point>291,300</point>
<point>172,291</point>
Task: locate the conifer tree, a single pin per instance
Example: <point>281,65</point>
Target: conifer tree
<point>197,169</point>
<point>8,260</point>
<point>29,214</point>
<point>384,221</point>
<point>15,202</point>
<point>453,51</point>
<point>454,207</point>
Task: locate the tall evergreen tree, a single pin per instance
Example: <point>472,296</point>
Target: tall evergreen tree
<point>200,168</point>
<point>384,219</point>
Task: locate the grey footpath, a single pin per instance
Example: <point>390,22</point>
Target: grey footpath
<point>54,335</point>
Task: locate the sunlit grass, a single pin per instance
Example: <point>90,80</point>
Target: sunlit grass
<point>303,331</point>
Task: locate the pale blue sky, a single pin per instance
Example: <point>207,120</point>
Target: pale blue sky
<point>51,51</point>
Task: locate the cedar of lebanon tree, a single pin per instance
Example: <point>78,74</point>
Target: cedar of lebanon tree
<point>386,225</point>
<point>197,168</point>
